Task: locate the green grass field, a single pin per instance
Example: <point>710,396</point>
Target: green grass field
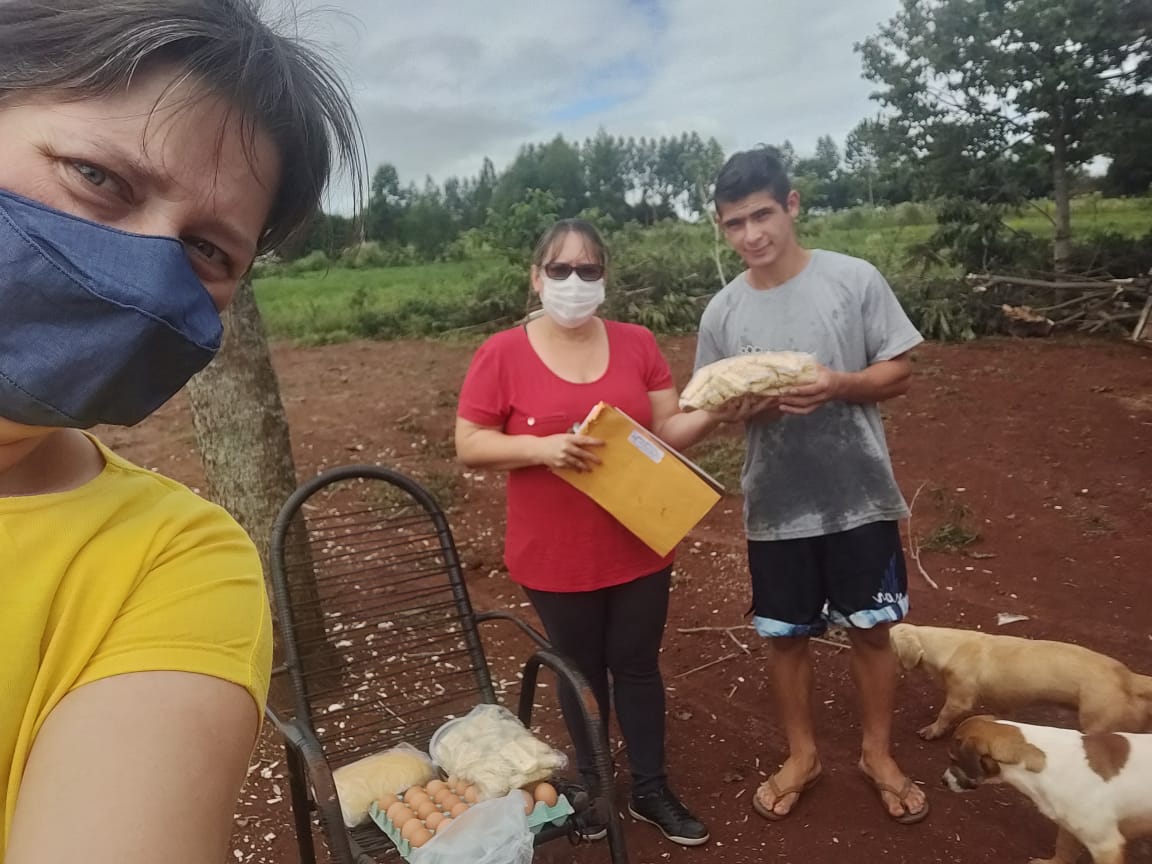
<point>316,304</point>
<point>323,306</point>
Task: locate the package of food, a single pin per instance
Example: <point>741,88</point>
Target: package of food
<point>767,373</point>
<point>360,783</point>
<point>495,831</point>
<point>433,825</point>
<point>491,750</point>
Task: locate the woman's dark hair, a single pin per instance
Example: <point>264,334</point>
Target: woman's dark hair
<point>749,172</point>
<point>555,235</point>
<point>280,85</point>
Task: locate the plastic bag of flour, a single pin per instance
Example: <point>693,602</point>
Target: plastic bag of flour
<point>360,783</point>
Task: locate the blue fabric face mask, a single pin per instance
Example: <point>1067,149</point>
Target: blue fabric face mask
<point>96,325</point>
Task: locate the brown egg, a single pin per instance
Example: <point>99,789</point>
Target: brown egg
<point>400,813</point>
<point>420,836</point>
<point>452,781</point>
<point>471,795</point>
<point>461,786</point>
<point>546,793</point>
<point>414,795</point>
<point>444,795</point>
<point>529,801</point>
<point>426,808</point>
<point>386,801</point>
<point>433,820</point>
<point>444,823</point>
<point>411,827</point>
<point>433,787</point>
<point>458,810</point>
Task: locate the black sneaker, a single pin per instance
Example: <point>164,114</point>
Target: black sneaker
<point>664,810</point>
<point>591,829</point>
<point>588,824</point>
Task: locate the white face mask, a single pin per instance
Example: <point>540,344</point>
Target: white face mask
<point>571,302</point>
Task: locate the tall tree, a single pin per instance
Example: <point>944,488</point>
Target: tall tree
<point>1126,142</point>
<point>605,173</point>
<point>862,157</point>
<point>1002,74</point>
<point>385,205</point>
<point>242,435</point>
<point>555,167</point>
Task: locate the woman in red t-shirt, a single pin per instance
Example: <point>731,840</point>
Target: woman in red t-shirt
<point>600,592</point>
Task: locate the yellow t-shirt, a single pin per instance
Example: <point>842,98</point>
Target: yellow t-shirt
<point>131,572</point>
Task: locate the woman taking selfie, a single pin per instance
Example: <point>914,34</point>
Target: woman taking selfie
<point>149,149</point>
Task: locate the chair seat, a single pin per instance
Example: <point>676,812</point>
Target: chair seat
<point>374,843</point>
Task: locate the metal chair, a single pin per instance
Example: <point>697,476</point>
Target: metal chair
<point>381,645</point>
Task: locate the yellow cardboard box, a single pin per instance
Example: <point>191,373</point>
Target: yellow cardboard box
<point>652,490</point>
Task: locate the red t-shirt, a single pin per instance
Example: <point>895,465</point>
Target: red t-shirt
<point>557,538</point>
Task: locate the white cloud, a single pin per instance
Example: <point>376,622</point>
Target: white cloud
<point>440,85</point>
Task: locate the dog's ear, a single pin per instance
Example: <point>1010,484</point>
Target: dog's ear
<point>906,645</point>
<point>1034,759</point>
<point>1004,743</point>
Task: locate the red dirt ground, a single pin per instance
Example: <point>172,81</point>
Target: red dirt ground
<point>1043,448</point>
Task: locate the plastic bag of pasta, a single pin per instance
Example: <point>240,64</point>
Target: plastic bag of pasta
<point>768,373</point>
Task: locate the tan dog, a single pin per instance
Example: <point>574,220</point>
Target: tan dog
<point>1097,788</point>
<point>1006,672</point>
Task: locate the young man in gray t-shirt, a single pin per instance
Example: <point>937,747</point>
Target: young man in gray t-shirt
<point>821,503</point>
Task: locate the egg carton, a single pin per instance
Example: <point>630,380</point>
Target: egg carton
<point>389,827</point>
<point>542,814</point>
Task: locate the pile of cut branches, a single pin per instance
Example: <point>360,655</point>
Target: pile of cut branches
<point>1038,307</point>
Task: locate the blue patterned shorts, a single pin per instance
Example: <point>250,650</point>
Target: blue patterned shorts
<point>855,578</point>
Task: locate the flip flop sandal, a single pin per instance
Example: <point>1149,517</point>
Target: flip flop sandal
<point>778,794</point>
<point>907,817</point>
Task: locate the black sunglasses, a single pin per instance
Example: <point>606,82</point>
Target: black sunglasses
<point>586,272</point>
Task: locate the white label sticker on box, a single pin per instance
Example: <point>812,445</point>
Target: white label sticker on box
<point>645,446</point>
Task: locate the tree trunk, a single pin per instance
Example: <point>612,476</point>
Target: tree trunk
<point>243,439</point>
<point>1062,242</point>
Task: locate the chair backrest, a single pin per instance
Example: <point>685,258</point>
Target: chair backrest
<point>377,632</point>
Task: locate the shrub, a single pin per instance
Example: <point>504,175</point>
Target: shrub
<point>313,262</point>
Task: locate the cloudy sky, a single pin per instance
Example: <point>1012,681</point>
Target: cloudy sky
<point>439,84</point>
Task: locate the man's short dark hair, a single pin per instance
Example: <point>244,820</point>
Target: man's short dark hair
<point>280,85</point>
<point>751,171</point>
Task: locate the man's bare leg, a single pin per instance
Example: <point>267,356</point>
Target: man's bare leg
<point>791,673</point>
<point>874,669</point>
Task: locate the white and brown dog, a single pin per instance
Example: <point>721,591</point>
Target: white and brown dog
<point>1001,673</point>
<point>1097,787</point>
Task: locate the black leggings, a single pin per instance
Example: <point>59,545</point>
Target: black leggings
<point>615,630</point>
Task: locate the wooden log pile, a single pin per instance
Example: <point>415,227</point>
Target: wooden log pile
<point>1039,307</point>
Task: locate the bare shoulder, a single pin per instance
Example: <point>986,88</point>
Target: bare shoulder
<point>122,756</point>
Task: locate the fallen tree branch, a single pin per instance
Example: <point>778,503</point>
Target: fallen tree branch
<point>708,665</point>
<point>914,546</point>
<point>1138,333</point>
<point>1106,294</point>
<point>728,630</point>
<point>1000,279</point>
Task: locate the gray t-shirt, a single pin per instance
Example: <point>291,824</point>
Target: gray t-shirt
<point>828,471</point>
